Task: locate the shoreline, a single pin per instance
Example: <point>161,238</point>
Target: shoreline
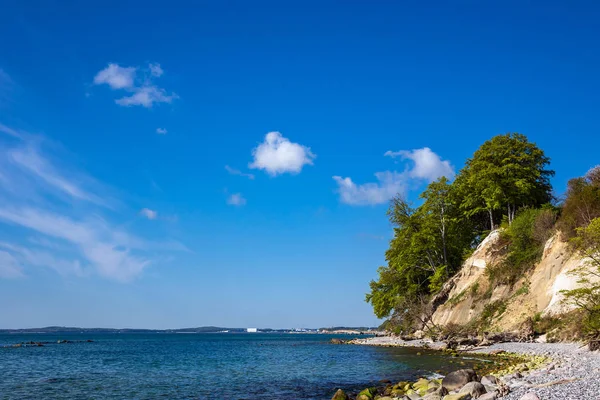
<point>570,370</point>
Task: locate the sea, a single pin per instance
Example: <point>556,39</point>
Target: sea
<point>203,366</point>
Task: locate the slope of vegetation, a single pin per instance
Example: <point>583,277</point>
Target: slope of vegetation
<point>506,183</point>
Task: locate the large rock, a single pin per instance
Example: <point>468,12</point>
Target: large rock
<point>488,396</point>
<point>367,394</point>
<point>432,396</point>
<point>458,396</point>
<point>530,396</point>
<point>489,380</point>
<point>340,395</point>
<point>457,379</point>
<point>475,389</point>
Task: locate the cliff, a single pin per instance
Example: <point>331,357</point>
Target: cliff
<point>465,296</point>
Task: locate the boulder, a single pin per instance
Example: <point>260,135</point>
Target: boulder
<point>475,389</point>
<point>530,396</point>
<point>421,386</point>
<point>457,379</point>
<point>488,396</point>
<point>489,380</point>
<point>458,396</point>
<point>367,394</point>
<point>340,395</point>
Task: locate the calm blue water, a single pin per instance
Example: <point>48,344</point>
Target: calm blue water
<point>200,366</point>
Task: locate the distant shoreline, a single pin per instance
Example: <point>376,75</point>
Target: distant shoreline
<point>207,329</point>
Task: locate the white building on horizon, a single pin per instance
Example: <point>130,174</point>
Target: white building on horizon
<point>251,330</point>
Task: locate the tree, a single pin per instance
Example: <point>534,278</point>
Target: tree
<point>582,202</point>
<point>587,297</point>
<point>506,173</point>
<point>427,247</point>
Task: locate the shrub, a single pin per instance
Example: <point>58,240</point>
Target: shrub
<point>582,203</point>
<point>525,239</point>
<point>587,297</point>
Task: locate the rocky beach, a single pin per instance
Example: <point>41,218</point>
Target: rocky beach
<point>546,371</point>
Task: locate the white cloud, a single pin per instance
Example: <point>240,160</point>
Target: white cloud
<point>144,94</point>
<point>108,252</point>
<point>161,131</point>
<point>234,171</point>
<point>9,266</point>
<point>155,70</point>
<point>41,258</point>
<point>148,213</point>
<point>29,158</point>
<point>11,132</point>
<point>387,186</point>
<point>236,199</point>
<point>427,164</point>
<point>36,195</point>
<point>116,77</point>
<point>277,155</point>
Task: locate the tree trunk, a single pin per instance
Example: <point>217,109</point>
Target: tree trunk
<point>491,219</point>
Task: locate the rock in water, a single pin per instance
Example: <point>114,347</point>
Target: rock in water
<point>340,395</point>
<point>530,396</point>
<point>367,394</point>
<point>475,389</point>
<point>457,379</point>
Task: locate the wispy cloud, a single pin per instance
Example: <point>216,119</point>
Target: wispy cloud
<point>9,131</point>
<point>7,88</point>
<point>277,155</point>
<point>388,184</point>
<point>71,234</point>
<point>9,266</point>
<point>43,258</point>
<point>236,199</point>
<point>143,91</point>
<point>146,96</point>
<point>148,213</point>
<point>234,171</point>
<point>155,70</point>
<point>116,77</point>
<point>426,166</point>
<point>29,158</point>
<point>161,131</point>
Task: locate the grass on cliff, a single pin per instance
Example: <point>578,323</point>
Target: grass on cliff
<point>523,244</point>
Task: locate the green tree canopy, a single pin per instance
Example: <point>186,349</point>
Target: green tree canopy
<point>507,172</point>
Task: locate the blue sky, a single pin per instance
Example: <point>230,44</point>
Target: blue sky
<point>229,163</point>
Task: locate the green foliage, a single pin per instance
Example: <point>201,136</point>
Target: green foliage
<point>582,203</point>
<point>437,280</point>
<point>427,248</point>
<point>522,290</point>
<point>525,240</point>
<point>490,312</point>
<point>507,172</point>
<point>587,297</point>
<point>454,300</point>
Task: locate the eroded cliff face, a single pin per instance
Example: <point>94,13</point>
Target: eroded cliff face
<point>468,292</point>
